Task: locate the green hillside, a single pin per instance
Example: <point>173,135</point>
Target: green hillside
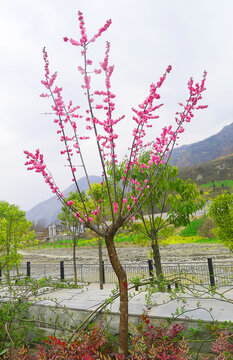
<point>216,174</point>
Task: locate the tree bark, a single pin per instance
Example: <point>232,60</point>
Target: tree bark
<point>157,258</point>
<point>8,259</point>
<point>101,278</point>
<point>123,286</point>
<point>74,260</point>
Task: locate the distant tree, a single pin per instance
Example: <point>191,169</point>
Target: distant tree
<point>72,225</point>
<point>221,211</point>
<point>179,199</point>
<point>98,194</point>
<point>14,234</point>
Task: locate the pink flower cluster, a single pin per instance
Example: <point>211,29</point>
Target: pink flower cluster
<point>67,119</point>
<point>83,40</point>
<point>161,146</point>
<point>37,164</point>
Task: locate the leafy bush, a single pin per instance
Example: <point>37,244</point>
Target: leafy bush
<point>84,347</point>
<point>148,342</point>
<point>158,342</point>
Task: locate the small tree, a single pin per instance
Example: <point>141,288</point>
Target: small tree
<point>72,225</point>
<point>99,192</point>
<point>122,206</point>
<point>171,203</point>
<point>221,211</point>
<point>14,235</point>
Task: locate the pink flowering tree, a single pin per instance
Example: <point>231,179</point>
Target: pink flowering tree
<point>101,124</point>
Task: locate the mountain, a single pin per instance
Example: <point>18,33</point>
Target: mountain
<point>214,170</point>
<point>211,148</point>
<point>46,212</point>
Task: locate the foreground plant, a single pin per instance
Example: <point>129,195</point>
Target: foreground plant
<point>148,342</point>
<point>101,123</point>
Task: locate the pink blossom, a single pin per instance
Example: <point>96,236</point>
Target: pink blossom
<point>124,201</point>
<point>115,207</point>
<point>70,202</point>
<point>74,42</point>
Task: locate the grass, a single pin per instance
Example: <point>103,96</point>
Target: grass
<point>120,239</point>
<point>178,239</point>
<point>219,184</point>
<point>208,241</point>
<point>192,228</point>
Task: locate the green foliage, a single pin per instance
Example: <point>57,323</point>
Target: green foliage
<point>46,282</point>
<point>15,328</point>
<point>221,211</point>
<point>14,234</point>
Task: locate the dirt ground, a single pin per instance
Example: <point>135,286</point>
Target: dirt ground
<point>130,254</point>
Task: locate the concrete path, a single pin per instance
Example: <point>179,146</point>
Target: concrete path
<point>198,305</point>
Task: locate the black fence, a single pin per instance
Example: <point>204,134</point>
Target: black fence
<point>205,272</point>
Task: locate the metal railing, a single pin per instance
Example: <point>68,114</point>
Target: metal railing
<point>203,272</point>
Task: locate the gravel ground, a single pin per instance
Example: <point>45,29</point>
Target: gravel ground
<point>130,254</point>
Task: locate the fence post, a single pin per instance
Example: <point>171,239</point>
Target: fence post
<point>150,264</point>
<point>28,269</point>
<point>179,272</point>
<point>62,271</point>
<point>103,271</point>
<point>211,271</point>
<point>81,272</point>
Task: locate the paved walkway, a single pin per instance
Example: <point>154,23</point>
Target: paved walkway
<point>198,305</point>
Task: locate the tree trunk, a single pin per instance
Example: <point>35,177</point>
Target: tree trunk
<point>17,270</point>
<point>156,258</point>
<point>8,260</point>
<point>123,286</point>
<point>101,277</point>
<point>74,260</point>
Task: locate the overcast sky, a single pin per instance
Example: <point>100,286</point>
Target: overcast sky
<point>145,37</point>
